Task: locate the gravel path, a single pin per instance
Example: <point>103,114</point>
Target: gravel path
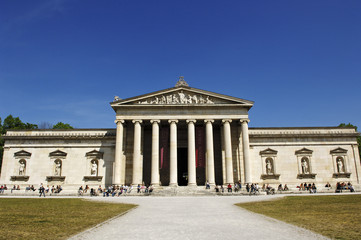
<point>193,218</point>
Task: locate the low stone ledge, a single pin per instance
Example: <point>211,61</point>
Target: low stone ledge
<point>93,178</point>
<point>19,178</point>
<point>270,176</point>
<point>307,176</point>
<point>55,178</point>
<point>341,175</point>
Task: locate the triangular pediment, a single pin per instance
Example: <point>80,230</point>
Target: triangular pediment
<point>58,153</point>
<point>22,153</point>
<point>181,95</point>
<point>304,151</point>
<point>268,151</point>
<point>94,153</point>
<point>338,151</point>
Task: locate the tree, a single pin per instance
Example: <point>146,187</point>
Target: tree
<point>15,123</point>
<point>348,125</point>
<point>1,127</point>
<point>61,125</point>
<point>12,123</point>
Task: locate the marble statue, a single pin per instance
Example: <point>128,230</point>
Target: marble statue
<point>57,168</point>
<point>269,167</point>
<point>22,169</point>
<point>304,165</point>
<point>94,168</point>
<point>340,166</point>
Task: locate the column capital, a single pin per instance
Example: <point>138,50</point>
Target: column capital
<point>137,121</point>
<point>244,120</point>
<point>191,121</point>
<point>226,120</point>
<point>155,121</point>
<point>208,120</point>
<point>119,121</point>
<point>173,120</point>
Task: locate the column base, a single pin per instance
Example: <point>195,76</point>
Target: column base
<point>192,184</point>
<point>173,184</point>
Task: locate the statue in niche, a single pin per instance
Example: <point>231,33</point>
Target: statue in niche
<point>304,165</point>
<point>340,167</point>
<point>94,168</point>
<point>57,171</point>
<point>269,166</point>
<point>22,168</point>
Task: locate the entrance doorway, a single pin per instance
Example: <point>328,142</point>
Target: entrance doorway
<point>182,158</point>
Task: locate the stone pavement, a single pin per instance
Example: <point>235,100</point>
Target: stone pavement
<point>211,217</point>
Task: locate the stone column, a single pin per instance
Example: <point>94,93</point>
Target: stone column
<point>173,178</point>
<point>137,165</point>
<point>246,157</point>
<point>209,151</point>
<point>119,172</point>
<point>155,152</point>
<point>228,150</point>
<point>191,153</point>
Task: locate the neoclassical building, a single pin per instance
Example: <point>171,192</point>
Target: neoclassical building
<point>181,136</point>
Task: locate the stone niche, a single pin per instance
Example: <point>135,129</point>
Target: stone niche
<point>93,160</point>
<point>340,163</point>
<point>20,172</point>
<point>304,162</point>
<point>268,157</point>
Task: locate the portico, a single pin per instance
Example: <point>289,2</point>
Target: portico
<point>157,128</point>
<point>181,136</point>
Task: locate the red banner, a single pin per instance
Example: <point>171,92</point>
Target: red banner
<point>200,147</point>
<point>164,147</point>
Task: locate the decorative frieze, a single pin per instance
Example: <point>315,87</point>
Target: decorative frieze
<point>178,98</point>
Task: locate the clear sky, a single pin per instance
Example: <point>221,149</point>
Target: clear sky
<point>300,61</point>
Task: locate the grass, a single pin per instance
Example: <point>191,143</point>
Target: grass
<point>27,218</point>
<point>337,217</point>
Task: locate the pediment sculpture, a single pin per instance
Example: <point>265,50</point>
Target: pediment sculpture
<point>178,98</point>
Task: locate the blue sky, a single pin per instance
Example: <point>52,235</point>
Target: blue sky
<point>300,61</point>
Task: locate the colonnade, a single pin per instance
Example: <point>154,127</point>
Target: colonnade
<point>119,173</point>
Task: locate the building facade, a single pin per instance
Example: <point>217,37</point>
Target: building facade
<point>181,136</point>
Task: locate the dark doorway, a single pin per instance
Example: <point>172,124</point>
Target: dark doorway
<point>182,158</point>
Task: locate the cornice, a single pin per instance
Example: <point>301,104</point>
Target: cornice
<point>62,134</point>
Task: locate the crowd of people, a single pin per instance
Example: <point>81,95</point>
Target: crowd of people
<point>115,190</point>
<point>250,188</point>
<point>308,187</point>
<point>343,186</point>
<point>219,188</point>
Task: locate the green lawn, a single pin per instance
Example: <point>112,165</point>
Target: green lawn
<point>29,218</point>
<point>337,217</point>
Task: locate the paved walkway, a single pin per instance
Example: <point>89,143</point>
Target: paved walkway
<point>174,218</point>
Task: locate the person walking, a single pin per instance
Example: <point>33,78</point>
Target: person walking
<point>41,190</point>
